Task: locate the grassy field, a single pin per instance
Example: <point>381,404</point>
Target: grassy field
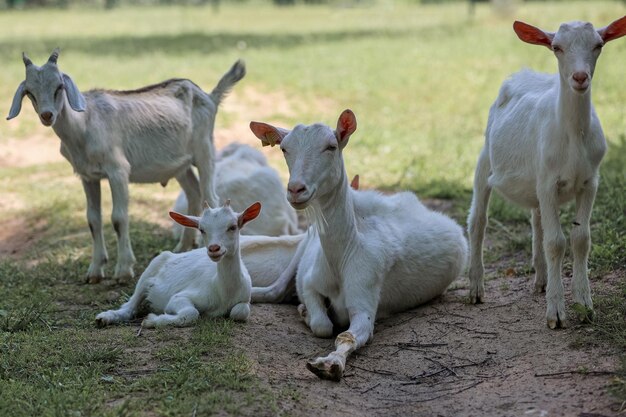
<point>420,80</point>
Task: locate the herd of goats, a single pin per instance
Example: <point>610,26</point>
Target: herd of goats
<point>365,255</point>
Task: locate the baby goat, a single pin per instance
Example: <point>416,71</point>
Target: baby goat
<point>368,255</point>
<point>179,287</point>
<point>147,135</point>
<point>543,147</point>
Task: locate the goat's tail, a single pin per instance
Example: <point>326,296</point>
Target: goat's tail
<point>223,87</point>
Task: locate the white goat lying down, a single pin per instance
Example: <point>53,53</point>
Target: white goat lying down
<point>369,255</point>
<point>147,135</point>
<point>179,287</point>
<point>543,147</point>
<point>242,173</point>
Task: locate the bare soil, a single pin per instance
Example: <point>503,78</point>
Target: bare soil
<point>442,359</point>
<point>446,358</point>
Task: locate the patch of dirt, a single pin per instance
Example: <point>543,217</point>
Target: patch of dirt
<point>17,235</point>
<point>445,358</point>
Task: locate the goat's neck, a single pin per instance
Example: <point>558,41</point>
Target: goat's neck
<point>340,229</point>
<point>574,111</point>
<point>70,126</point>
<point>229,271</point>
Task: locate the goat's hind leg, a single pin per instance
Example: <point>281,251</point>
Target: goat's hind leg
<point>190,185</point>
<point>179,312</point>
<point>539,258</point>
<point>476,225</point>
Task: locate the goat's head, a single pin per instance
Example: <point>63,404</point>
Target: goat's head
<point>219,227</point>
<point>576,45</point>
<point>46,87</point>
<point>313,155</point>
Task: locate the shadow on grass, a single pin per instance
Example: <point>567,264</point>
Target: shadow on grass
<point>205,43</point>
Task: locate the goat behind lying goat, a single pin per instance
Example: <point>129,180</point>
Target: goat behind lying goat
<point>147,135</point>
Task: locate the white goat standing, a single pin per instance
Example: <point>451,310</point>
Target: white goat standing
<point>147,135</point>
<point>182,286</point>
<point>242,173</point>
<point>543,147</point>
<point>370,255</point>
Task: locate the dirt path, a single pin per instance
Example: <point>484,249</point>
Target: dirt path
<point>446,358</point>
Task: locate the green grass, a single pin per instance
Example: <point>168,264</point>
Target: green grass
<point>420,80</point>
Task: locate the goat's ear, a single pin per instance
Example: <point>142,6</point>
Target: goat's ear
<point>248,214</point>
<point>533,35</point>
<point>615,30</point>
<point>355,182</point>
<point>16,106</point>
<point>268,134</point>
<point>74,96</point>
<point>346,125</point>
<point>187,221</point>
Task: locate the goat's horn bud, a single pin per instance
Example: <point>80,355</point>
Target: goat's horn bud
<point>205,204</point>
<point>26,59</point>
<point>54,56</point>
<point>227,202</point>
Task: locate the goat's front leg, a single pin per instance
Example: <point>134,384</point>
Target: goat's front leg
<point>119,217</point>
<point>179,312</point>
<point>581,242</point>
<point>99,255</point>
<point>240,312</point>
<point>554,249</point>
<point>360,331</point>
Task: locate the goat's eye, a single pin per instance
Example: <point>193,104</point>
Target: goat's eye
<point>598,47</point>
<point>557,48</point>
<point>284,151</point>
<point>331,148</point>
<point>31,97</point>
<point>58,90</point>
<point>232,228</point>
<point>201,231</point>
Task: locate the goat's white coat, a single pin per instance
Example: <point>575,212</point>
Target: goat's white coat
<point>369,254</point>
<point>180,287</point>
<point>543,147</point>
<point>243,175</point>
<point>147,135</point>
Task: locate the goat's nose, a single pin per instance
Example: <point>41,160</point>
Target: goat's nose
<point>214,248</point>
<point>47,116</point>
<point>296,188</point>
<point>580,77</point>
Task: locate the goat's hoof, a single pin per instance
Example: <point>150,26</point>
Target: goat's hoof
<point>302,311</point>
<point>557,323</point>
<point>93,279</point>
<point>585,314</point>
<point>477,294</point>
<point>326,368</point>
<point>104,319</point>
<point>124,275</point>
<point>150,321</point>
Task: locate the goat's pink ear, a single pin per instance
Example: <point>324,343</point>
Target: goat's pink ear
<point>531,34</point>
<point>615,30</point>
<point>346,125</point>
<point>250,213</point>
<point>355,182</point>
<point>268,134</point>
<point>187,221</point>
